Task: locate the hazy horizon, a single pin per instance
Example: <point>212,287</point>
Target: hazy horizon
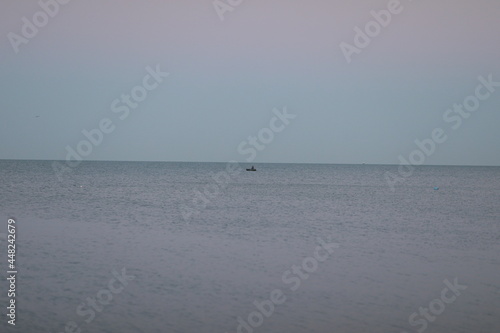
<point>257,163</point>
<point>225,77</point>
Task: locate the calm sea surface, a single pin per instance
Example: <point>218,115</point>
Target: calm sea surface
<point>164,247</point>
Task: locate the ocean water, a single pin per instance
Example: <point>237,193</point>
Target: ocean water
<point>288,248</point>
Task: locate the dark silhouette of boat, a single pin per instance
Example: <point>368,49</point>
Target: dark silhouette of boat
<point>252,169</point>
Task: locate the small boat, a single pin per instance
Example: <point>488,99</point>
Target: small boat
<point>252,169</point>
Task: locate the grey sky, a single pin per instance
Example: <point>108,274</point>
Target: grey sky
<point>226,77</point>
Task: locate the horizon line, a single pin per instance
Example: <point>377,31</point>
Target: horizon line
<point>318,163</point>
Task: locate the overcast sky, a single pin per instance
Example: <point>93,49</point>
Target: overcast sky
<point>226,77</point>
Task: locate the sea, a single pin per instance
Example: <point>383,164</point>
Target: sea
<point>152,247</point>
